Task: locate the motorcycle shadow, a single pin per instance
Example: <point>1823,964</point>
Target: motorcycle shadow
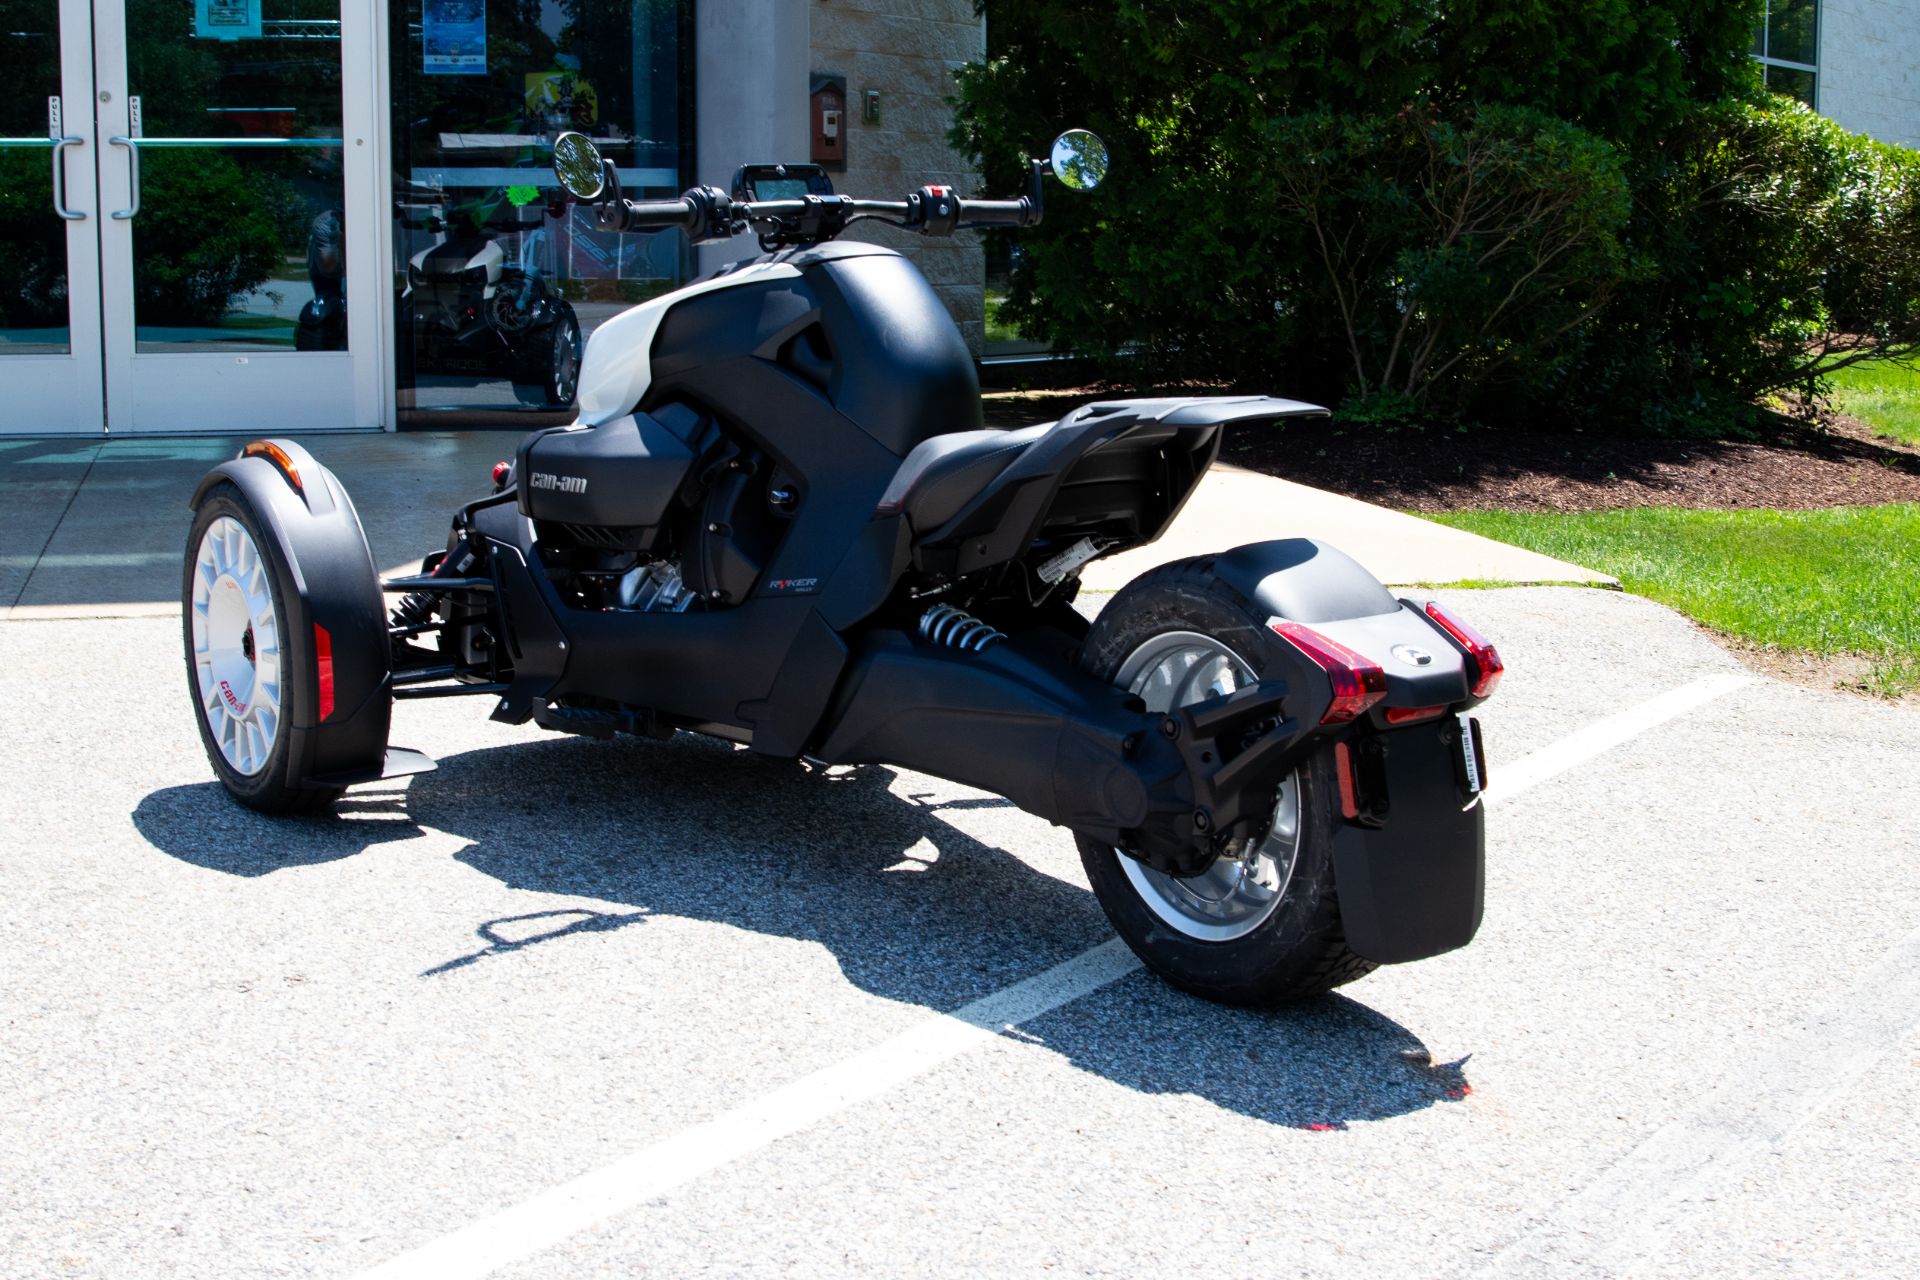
<point>912,908</point>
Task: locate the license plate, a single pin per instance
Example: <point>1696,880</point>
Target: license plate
<point>1473,768</point>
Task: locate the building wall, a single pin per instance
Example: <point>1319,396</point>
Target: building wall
<point>1870,67</point>
<point>750,95</point>
<point>908,50</point>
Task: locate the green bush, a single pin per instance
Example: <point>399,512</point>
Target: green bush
<point>33,287</point>
<point>1775,248</point>
<point>1453,255</point>
<point>208,232</point>
<point>1499,208</point>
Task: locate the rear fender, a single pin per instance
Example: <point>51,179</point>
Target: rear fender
<point>1412,876</point>
<point>1304,580</point>
<point>1119,468</point>
<point>340,686</point>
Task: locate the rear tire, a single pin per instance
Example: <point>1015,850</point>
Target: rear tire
<point>1262,929</point>
<point>551,374</point>
<point>246,668</point>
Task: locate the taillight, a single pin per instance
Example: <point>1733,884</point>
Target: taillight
<point>1486,659</point>
<point>1358,681</point>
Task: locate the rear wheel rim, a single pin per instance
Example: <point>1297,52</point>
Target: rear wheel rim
<point>1238,893</point>
<point>236,646</point>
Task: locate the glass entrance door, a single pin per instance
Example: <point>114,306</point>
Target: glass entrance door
<point>224,229</point>
<point>50,365</point>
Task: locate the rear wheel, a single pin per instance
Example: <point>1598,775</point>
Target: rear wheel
<point>242,657</point>
<point>1261,926</point>
<point>549,373</point>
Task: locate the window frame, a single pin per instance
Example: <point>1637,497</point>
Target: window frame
<point>1766,59</point>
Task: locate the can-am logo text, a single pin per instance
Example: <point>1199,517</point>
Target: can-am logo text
<point>565,484</point>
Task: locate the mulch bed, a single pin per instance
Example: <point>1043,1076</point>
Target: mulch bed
<point>1791,465</point>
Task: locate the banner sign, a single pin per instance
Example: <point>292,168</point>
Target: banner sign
<point>453,37</point>
<point>226,19</point>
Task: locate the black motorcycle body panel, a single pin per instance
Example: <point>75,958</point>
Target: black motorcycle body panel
<point>801,460</point>
<point>756,664</point>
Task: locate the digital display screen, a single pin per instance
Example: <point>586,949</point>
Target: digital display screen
<point>779,188</point>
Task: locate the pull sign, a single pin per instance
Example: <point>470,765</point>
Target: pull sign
<point>53,118</point>
<point>133,117</point>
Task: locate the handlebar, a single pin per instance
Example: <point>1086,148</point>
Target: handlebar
<point>708,214</point>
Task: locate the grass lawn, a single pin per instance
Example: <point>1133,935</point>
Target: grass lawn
<point>1845,580</point>
<point>1884,396</point>
<point>998,330</point>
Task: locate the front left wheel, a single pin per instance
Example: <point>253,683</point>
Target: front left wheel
<point>243,656</point>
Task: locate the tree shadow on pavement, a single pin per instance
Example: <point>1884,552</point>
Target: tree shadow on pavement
<point>912,908</point>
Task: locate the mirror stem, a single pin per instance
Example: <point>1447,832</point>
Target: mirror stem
<point>1036,188</point>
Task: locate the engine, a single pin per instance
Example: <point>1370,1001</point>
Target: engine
<point>654,588</point>
<point>659,513</point>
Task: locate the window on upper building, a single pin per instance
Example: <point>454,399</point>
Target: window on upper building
<point>1787,46</point>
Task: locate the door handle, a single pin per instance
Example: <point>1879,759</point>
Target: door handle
<point>60,179</point>
<point>133,172</point>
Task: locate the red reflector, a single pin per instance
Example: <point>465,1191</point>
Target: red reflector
<point>500,470</point>
<point>1358,682</point>
<point>1343,765</point>
<point>1486,659</point>
<point>323,662</point>
<point>1408,715</point>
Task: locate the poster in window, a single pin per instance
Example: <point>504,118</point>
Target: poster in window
<point>226,19</point>
<point>453,37</point>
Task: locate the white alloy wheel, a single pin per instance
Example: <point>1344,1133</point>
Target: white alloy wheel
<point>1235,895</point>
<point>236,646</point>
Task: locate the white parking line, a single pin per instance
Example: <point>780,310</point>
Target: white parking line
<point>554,1215</point>
<point>1604,735</point>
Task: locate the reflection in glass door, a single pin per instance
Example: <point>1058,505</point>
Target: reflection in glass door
<point>50,378</point>
<point>496,280</point>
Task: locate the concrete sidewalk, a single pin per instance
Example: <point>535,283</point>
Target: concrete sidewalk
<point>1234,505</point>
<point>97,528</point>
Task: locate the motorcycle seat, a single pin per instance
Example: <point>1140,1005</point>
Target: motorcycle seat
<point>943,472</point>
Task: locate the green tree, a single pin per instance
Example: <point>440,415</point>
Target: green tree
<point>1427,202</point>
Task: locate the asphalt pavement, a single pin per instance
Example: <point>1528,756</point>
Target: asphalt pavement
<point>1685,1042</point>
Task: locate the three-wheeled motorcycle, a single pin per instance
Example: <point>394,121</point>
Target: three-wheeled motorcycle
<point>779,521</point>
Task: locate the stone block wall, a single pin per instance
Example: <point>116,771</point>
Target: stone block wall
<point>1870,67</point>
<point>908,50</point>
